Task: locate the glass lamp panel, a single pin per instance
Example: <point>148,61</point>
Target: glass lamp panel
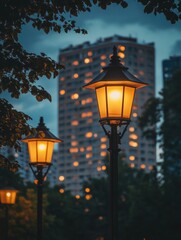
<point>8,197</point>
<point>32,148</point>
<point>101,100</point>
<point>115,100</point>
<point>42,147</point>
<point>49,152</point>
<point>128,101</point>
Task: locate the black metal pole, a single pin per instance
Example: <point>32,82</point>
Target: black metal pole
<point>6,229</point>
<point>114,150</point>
<point>39,201</point>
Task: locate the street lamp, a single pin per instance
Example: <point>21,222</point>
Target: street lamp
<point>40,148</point>
<point>115,89</point>
<point>7,198</point>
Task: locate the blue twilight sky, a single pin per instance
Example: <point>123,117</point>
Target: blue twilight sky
<point>99,23</point>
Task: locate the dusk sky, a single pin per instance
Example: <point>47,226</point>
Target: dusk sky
<point>100,23</point>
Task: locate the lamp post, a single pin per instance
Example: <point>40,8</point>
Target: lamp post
<point>7,198</point>
<point>40,148</point>
<point>115,89</point>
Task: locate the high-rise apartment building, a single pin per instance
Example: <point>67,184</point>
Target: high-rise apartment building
<point>85,145</point>
<point>169,66</point>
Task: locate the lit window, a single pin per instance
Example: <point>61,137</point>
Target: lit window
<point>141,73</point>
<point>131,158</point>
<point>74,143</point>
<point>133,136</point>
<point>103,154</point>
<point>131,129</point>
<point>76,75</point>
<point>62,79</point>
<point>89,53</point>
<point>132,165</point>
<point>103,64</point>
<point>73,150</point>
<point>61,178</point>
<point>75,164</point>
<point>103,139</point>
<point>86,114</point>
<point>74,123</point>
<point>62,92</point>
<point>61,190</point>
<point>95,135</point>
<point>99,168</point>
<point>82,149</point>
<point>88,74</point>
<point>88,196</point>
<point>135,114</point>
<point>88,155</point>
<point>16,155</point>
<point>89,121</point>
<point>121,55</point>
<point>85,101</point>
<point>135,107</point>
<point>122,48</point>
<point>88,135</point>
<point>77,196</point>
<point>87,80</point>
<point>100,218</point>
<point>103,146</point>
<point>86,60</point>
<point>150,167</point>
<point>87,190</point>
<point>75,63</point>
<point>103,168</point>
<point>142,166</point>
<point>133,144</point>
<point>74,96</point>
<point>89,148</point>
<point>103,57</point>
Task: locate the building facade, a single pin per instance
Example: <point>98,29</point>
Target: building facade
<point>85,145</point>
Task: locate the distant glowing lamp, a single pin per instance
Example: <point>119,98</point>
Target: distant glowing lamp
<point>41,145</point>
<point>8,195</point>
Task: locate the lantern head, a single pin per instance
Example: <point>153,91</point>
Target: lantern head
<point>8,195</point>
<point>41,145</point>
<point>115,89</point>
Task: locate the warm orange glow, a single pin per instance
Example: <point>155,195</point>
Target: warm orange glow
<point>103,57</point>
<point>77,196</point>
<point>74,96</point>
<point>87,80</point>
<point>61,190</point>
<point>75,63</point>
<point>74,143</point>
<point>62,79</point>
<point>103,154</point>
<point>73,150</point>
<point>40,151</point>
<point>103,139</point>
<point>89,53</point>
<point>142,166</point>
<point>75,164</point>
<point>62,92</point>
<point>74,123</point>
<point>88,74</point>
<point>86,60</point>
<point>131,129</point>
<point>115,101</point>
<point>99,168</point>
<point>85,101</point>
<point>133,136</point>
<point>87,190</point>
<point>131,158</point>
<point>135,114</point>
<point>86,114</point>
<point>88,155</point>
<point>133,144</point>
<point>132,165</point>
<point>82,149</point>
<point>61,178</point>
<point>122,48</point>
<point>8,196</point>
<point>103,64</point>
<point>121,55</point>
<point>103,168</point>
<point>88,135</point>
<point>103,146</point>
<point>88,196</point>
<point>76,75</point>
<point>89,148</point>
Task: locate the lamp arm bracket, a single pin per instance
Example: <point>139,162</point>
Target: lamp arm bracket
<point>121,134</point>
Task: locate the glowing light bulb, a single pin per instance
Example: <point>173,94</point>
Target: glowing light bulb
<point>115,95</point>
<point>8,194</point>
<point>42,146</point>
